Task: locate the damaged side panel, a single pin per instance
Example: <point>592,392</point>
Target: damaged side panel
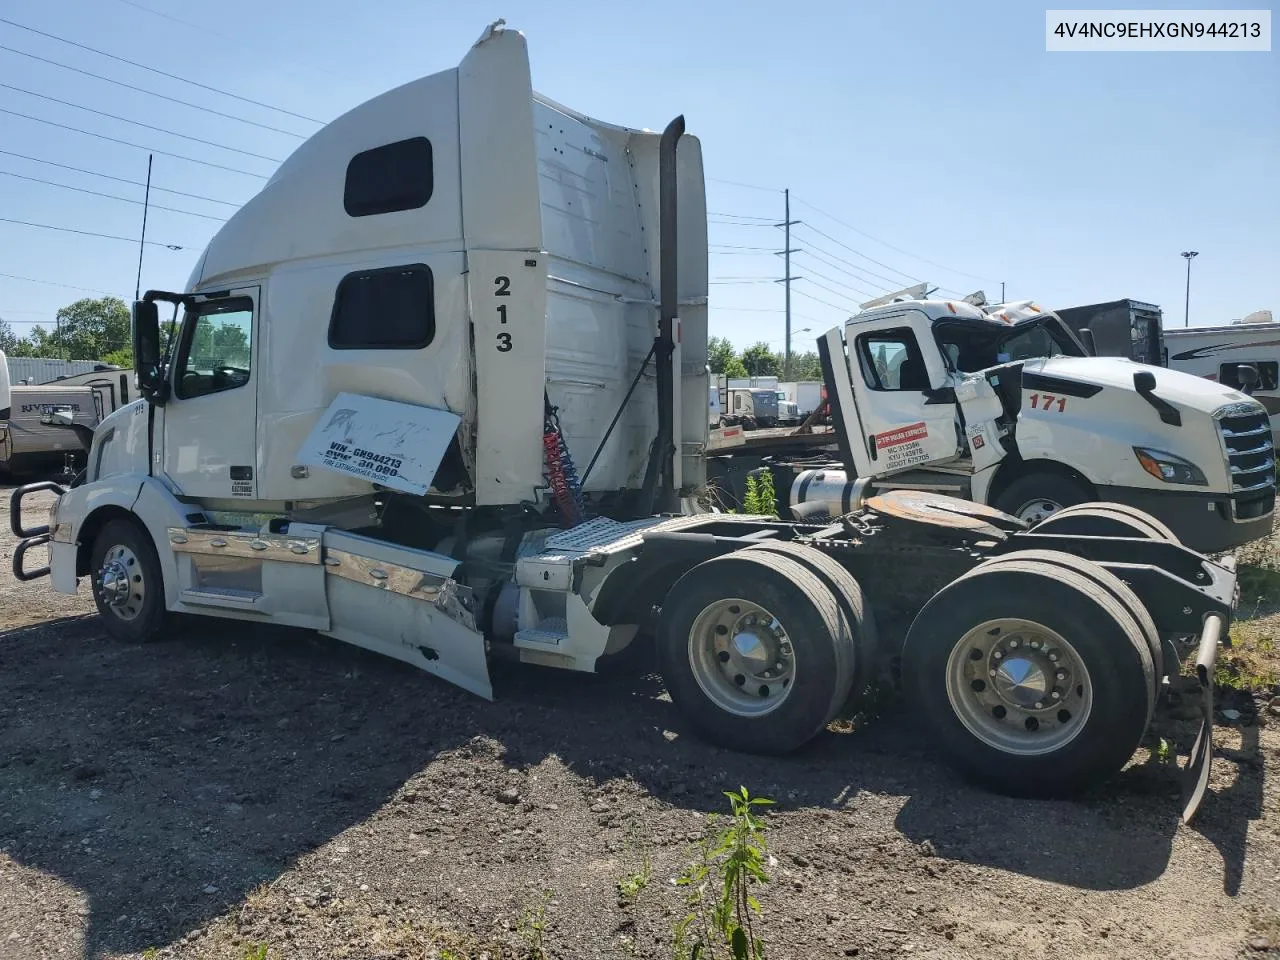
<point>406,604</point>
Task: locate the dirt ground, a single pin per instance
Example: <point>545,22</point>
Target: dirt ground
<point>239,793</point>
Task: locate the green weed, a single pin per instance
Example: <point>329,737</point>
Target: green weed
<point>723,912</point>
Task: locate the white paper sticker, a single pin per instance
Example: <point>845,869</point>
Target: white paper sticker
<point>397,445</point>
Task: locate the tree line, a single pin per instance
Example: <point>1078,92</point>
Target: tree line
<point>89,329</point>
<point>759,360</point>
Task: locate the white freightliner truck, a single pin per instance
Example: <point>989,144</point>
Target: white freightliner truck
<point>1003,406</point>
<point>365,418</point>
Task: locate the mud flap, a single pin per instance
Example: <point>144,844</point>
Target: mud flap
<point>1195,778</point>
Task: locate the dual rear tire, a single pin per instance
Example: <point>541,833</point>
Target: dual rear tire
<point>1035,674</point>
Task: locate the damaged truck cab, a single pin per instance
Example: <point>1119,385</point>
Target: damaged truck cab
<point>1003,406</point>
<point>366,414</point>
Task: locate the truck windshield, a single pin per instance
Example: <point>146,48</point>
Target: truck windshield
<point>970,347</point>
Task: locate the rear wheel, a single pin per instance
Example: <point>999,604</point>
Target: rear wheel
<point>1106,520</point>
<point>1036,496</point>
<point>750,649</point>
<point>1030,677</point>
<point>127,584</point>
<point>859,657</point>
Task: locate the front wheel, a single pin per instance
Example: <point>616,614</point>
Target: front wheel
<point>753,649</point>
<point>1039,495</point>
<point>127,584</point>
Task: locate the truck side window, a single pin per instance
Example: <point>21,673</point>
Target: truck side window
<point>891,360</point>
<point>217,349</point>
<point>1268,373</point>
<point>390,308</point>
<point>395,176</point>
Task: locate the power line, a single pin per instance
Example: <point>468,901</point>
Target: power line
<point>893,282</point>
<point>226,36</point>
<point>139,123</point>
<point>171,76</point>
<point>739,282</point>
<point>859,253</point>
<point>152,93</point>
<point>52,283</point>
<point>742,216</point>
<point>822,286</point>
<point>738,246</point>
<point>840,283</point>
<point>127,143</point>
<point>825,303</point>
<point>854,271</point>
<point>110,196</point>
<point>107,176</point>
<point>89,233</point>
<point>849,226</point>
<point>746,186</point>
<point>738,223</point>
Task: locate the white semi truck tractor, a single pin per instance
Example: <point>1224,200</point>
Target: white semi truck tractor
<point>365,418</point>
<point>1003,406</point>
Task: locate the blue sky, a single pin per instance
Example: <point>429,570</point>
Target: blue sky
<point>925,140</point>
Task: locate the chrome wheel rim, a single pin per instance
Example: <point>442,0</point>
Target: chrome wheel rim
<point>120,583</point>
<point>741,657</point>
<point>1019,687</point>
<point>1033,511</point>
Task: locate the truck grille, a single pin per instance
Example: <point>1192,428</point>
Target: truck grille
<point>1246,439</point>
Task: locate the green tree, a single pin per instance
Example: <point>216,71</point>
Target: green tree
<point>735,370</point>
<point>760,361</point>
<point>88,329</point>
<point>8,339</point>
<point>719,353</point>
<point>806,366</point>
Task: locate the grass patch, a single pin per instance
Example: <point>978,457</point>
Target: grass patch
<point>1252,662</point>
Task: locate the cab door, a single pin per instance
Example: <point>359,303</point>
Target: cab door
<point>210,418</point>
<point>905,407</point>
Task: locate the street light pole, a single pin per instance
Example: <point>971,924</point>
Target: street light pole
<point>1186,316</point>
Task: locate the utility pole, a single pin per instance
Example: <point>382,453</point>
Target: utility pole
<point>1002,291</point>
<point>787,224</point>
<point>1186,316</point>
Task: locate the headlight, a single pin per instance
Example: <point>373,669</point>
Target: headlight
<point>1169,468</point>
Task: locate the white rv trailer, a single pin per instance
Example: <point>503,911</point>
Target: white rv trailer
<point>1218,353</point>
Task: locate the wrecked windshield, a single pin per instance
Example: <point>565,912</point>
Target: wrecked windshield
<point>970,347</point>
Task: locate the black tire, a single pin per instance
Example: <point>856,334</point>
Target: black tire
<point>1021,495</point>
<point>1103,635</point>
<point>1108,581</point>
<point>859,656</point>
<point>1106,519</point>
<point>813,621</point>
<point>141,617</point>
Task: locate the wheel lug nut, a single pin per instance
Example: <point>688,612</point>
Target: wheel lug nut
<point>997,654</point>
<point>1035,644</point>
<point>1012,644</point>
<point>1053,656</point>
<point>993,673</point>
<point>1062,675</point>
<point>1039,705</point>
<point>1056,695</point>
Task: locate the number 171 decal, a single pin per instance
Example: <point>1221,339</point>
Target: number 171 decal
<point>1047,401</point>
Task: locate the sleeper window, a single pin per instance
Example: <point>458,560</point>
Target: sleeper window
<point>391,308</point>
<point>396,176</point>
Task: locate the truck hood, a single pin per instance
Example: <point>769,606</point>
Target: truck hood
<point>1181,389</point>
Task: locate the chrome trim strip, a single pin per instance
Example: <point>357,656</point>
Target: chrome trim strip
<point>221,543</point>
<point>385,576</point>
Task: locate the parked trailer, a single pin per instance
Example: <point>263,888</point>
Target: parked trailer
<point>1121,328</point>
<point>418,478</point>
<point>1218,353</point>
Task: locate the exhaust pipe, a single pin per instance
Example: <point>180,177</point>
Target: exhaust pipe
<point>658,492</point>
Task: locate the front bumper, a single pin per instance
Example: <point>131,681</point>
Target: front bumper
<point>1207,522</point>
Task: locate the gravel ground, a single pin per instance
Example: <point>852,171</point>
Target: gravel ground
<point>232,788</point>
